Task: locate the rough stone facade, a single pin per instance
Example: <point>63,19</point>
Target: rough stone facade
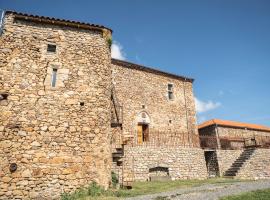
<point>143,95</point>
<point>141,91</point>
<point>182,163</point>
<point>257,167</point>
<point>226,158</point>
<point>58,136</point>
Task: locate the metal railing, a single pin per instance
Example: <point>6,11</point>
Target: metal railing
<point>117,109</point>
<point>169,138</point>
<point>211,142</point>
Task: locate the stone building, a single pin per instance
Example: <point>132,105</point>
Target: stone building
<point>55,83</point>
<point>236,149</point>
<point>70,115</point>
<point>158,124</point>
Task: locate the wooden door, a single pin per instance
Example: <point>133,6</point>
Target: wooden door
<point>140,134</point>
<point>145,132</point>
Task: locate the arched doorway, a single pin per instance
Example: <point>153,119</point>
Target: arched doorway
<point>143,121</point>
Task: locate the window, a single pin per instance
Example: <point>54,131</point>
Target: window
<point>54,74</point>
<point>170,91</point>
<point>51,48</point>
<point>3,96</point>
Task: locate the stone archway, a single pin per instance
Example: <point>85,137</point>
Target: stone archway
<point>143,118</point>
<point>143,121</point>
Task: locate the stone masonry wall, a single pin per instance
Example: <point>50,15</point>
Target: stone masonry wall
<point>137,88</point>
<point>58,137</point>
<point>257,167</point>
<point>226,158</point>
<point>183,163</point>
<point>239,132</point>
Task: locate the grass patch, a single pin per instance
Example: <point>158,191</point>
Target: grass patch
<point>255,195</point>
<point>139,188</point>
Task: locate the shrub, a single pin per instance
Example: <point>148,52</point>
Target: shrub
<point>95,190</point>
<point>115,179</point>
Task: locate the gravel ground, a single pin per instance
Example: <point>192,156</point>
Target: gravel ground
<point>208,191</point>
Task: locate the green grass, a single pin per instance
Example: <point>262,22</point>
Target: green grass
<point>255,195</point>
<point>94,192</point>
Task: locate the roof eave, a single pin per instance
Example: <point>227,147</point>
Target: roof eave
<point>150,69</point>
<point>55,21</point>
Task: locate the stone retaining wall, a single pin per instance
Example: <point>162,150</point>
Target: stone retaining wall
<point>226,158</point>
<point>257,167</point>
<point>183,163</point>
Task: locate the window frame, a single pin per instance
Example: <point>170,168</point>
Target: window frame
<point>170,91</point>
<point>54,77</point>
<point>51,47</point>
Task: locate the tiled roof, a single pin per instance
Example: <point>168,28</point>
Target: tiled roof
<point>51,20</point>
<point>149,69</point>
<point>233,124</point>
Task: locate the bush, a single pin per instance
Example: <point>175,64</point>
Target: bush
<point>92,190</point>
<point>115,179</point>
<point>95,190</point>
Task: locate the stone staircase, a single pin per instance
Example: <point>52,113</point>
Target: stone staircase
<point>238,163</point>
<point>125,166</point>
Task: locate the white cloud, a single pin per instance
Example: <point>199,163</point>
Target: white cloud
<point>201,119</point>
<point>204,106</point>
<point>117,51</point>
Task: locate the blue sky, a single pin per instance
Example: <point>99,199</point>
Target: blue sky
<point>223,44</point>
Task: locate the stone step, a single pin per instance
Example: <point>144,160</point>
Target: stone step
<point>117,155</point>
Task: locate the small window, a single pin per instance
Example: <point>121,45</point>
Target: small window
<point>3,96</point>
<point>170,91</point>
<point>51,48</point>
<point>54,74</point>
<point>143,106</point>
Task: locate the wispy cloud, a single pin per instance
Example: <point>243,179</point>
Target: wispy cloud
<point>117,51</point>
<point>201,119</point>
<point>220,93</point>
<point>204,106</point>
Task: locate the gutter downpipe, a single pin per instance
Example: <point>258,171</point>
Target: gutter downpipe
<point>2,21</point>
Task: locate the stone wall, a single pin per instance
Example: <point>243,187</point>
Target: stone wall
<point>140,91</point>
<point>257,167</point>
<point>226,158</point>
<point>240,132</point>
<point>58,136</point>
<point>182,163</point>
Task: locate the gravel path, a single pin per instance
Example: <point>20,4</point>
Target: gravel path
<point>207,191</point>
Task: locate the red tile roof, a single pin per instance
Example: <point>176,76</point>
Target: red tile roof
<point>233,124</point>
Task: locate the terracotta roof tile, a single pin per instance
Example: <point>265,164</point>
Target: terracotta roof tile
<point>233,124</point>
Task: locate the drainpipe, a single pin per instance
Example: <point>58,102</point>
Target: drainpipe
<point>186,113</point>
<point>217,137</point>
<point>2,21</point>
